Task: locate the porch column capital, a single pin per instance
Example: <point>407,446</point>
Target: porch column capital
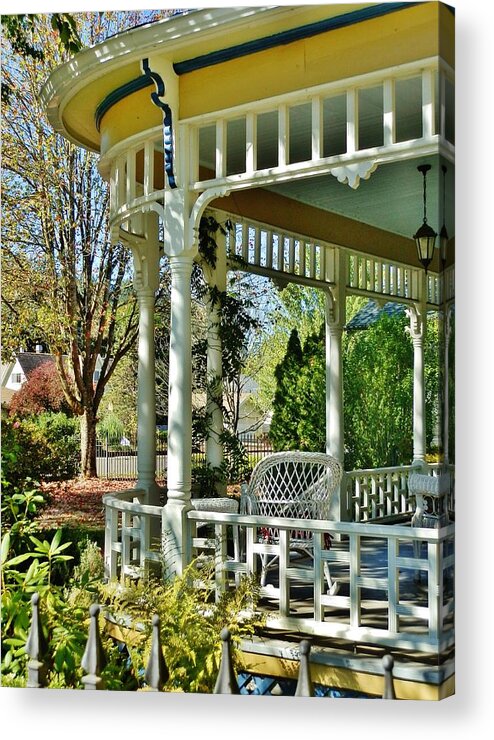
<point>416,330</point>
<point>146,256</point>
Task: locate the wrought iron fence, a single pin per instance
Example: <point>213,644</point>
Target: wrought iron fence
<point>156,673</point>
<point>116,458</point>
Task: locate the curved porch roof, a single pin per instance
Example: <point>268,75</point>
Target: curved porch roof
<point>234,66</point>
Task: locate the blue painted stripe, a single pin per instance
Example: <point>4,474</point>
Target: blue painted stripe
<point>286,37</point>
<point>139,83</point>
<point>250,47</point>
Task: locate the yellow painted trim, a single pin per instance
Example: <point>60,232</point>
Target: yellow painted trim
<point>128,117</point>
<point>345,678</point>
<point>447,35</point>
<point>386,41</point>
<point>78,114</point>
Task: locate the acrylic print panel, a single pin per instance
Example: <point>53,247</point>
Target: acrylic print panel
<point>230,385</point>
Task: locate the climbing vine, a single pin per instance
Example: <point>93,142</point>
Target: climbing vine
<point>235,326</point>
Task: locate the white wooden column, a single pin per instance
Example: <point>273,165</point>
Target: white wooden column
<point>417,315</point>
<point>146,280</point>
<point>179,456</point>
<point>216,279</point>
<point>335,315</point>
<point>334,388</point>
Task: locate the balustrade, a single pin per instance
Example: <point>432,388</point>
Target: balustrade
<point>357,119</point>
<point>129,549</point>
<point>378,492</point>
<point>376,564</point>
<point>254,248</point>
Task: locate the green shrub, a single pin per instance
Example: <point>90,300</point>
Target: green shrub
<point>43,447</point>
<point>111,428</point>
<point>190,623</point>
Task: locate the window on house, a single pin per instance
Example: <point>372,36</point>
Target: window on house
<point>17,378</point>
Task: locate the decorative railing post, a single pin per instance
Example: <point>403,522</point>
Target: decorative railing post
<point>389,689</point>
<point>226,682</point>
<point>94,658</point>
<point>305,686</point>
<point>157,673</point>
<point>37,649</point>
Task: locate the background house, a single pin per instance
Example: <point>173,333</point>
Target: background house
<point>16,372</point>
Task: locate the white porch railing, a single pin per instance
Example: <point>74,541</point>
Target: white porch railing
<point>254,247</point>
<point>381,116</point>
<point>129,546</point>
<point>374,558</point>
<point>378,492</point>
<point>378,562</point>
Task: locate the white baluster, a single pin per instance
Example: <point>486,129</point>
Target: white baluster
<point>245,242</point>
<point>351,121</point>
<point>269,249</point>
<point>130,185</point>
<point>317,128</point>
<point>220,148</point>
<point>148,167</point>
<point>389,121</point>
<point>251,143</point>
<point>428,121</point>
<point>283,135</point>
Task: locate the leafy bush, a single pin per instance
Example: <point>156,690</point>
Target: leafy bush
<point>111,428</point>
<point>40,447</point>
<point>190,623</point>
<point>41,392</point>
<point>191,620</point>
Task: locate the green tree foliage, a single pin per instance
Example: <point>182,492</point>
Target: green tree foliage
<point>19,30</point>
<point>311,387</point>
<point>287,405</point>
<point>64,282</point>
<point>294,306</point>
<point>42,447</point>
<point>378,394</point>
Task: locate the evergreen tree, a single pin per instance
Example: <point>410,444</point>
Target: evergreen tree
<point>311,392</point>
<point>287,404</point>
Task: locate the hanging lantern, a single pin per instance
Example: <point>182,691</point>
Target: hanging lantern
<point>425,237</point>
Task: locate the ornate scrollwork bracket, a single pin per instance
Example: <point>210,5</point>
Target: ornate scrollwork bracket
<point>351,174</point>
<point>167,120</point>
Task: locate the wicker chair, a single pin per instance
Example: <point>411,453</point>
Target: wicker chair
<point>294,485</point>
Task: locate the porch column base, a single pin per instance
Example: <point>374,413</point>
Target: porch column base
<point>175,540</point>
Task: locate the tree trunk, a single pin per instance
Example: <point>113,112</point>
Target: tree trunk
<point>88,444</point>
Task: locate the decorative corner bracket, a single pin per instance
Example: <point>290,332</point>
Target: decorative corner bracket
<point>351,174</point>
<point>416,328</point>
<point>167,120</point>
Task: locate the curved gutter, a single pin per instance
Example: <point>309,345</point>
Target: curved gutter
<point>172,33</point>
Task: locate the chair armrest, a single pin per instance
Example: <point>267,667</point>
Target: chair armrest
<point>248,502</point>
